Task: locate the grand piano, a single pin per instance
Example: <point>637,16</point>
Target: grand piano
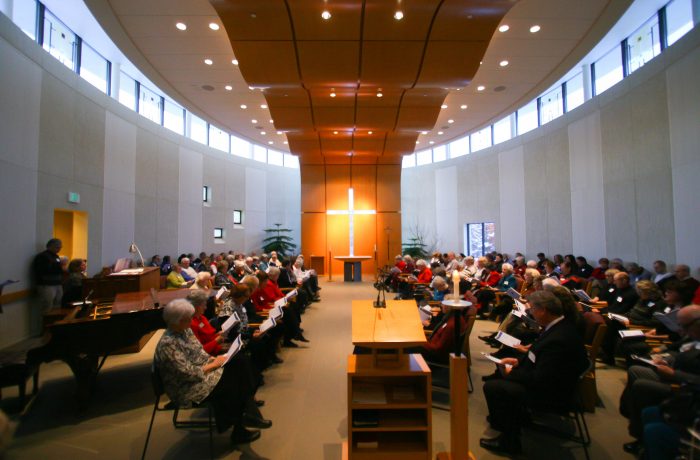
<point>90,333</point>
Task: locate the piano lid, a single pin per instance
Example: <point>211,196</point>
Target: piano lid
<point>127,302</point>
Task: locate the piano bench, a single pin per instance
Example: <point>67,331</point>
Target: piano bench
<point>14,370</point>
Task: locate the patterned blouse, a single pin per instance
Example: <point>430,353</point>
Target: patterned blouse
<point>227,309</point>
<point>179,358</point>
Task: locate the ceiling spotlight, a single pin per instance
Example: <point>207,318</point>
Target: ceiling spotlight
<point>271,120</point>
<point>270,142</point>
<point>263,106</point>
<point>450,121</point>
<point>181,26</point>
<point>326,15</point>
<point>439,133</point>
<point>335,132</point>
<point>213,26</point>
<point>443,106</point>
<point>398,15</point>
<point>431,142</point>
<point>252,88</point>
<point>503,63</point>
<point>279,133</point>
<point>285,142</point>
<point>243,106</point>
<point>504,28</point>
<point>263,133</point>
<point>534,29</point>
<point>480,88</point>
<point>379,95</point>
<point>424,132</point>
<point>369,132</point>
<point>417,142</point>
<point>332,94</point>
<point>254,121</point>
<point>228,87</point>
<point>208,61</point>
<point>234,61</point>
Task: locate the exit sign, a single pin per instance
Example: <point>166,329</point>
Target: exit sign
<point>73,197</point>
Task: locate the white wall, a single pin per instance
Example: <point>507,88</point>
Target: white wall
<point>616,177</point>
<point>137,180</point>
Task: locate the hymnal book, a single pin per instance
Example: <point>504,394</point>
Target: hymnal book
<point>631,333</point>
<point>269,323</point>
<point>221,292</point>
<point>491,358</point>
<point>365,419</point>
<point>235,348</point>
<point>520,306</point>
<point>291,294</point>
<point>513,293</point>
<point>642,359</point>
<point>507,339</point>
<point>582,295</point>
<point>230,322</point>
<point>277,312</point>
<point>367,444</point>
<point>425,313</point>
<point>403,393</point>
<point>368,393</point>
<point>280,302</point>
<point>620,318</point>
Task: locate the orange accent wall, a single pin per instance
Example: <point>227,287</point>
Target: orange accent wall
<point>375,187</point>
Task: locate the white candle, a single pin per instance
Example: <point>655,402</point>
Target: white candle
<point>455,283</point>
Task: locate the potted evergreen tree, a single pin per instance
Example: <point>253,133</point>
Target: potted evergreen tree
<point>278,240</point>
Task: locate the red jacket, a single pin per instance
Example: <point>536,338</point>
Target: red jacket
<point>598,273</point>
<point>265,297</point>
<point>206,334</point>
<point>443,338</point>
<point>426,276</point>
<point>401,265</point>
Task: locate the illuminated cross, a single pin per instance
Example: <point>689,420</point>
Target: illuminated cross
<point>350,213</point>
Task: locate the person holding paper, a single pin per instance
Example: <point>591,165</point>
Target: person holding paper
<point>649,386</point>
<point>190,376</point>
<point>288,279</point>
<point>544,378</point>
<point>442,341</point>
<point>211,340</point>
<point>265,296</point>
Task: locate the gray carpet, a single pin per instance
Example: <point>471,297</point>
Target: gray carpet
<point>305,397</point>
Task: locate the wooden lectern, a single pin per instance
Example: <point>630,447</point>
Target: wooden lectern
<point>109,286</point>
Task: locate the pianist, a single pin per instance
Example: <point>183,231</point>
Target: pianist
<point>190,376</point>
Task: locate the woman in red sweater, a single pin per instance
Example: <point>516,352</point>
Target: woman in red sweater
<point>212,341</point>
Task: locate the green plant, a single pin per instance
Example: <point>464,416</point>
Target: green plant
<point>279,241</point>
<point>415,247</point>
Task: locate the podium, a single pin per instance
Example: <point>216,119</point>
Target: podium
<point>352,267</point>
<point>109,286</point>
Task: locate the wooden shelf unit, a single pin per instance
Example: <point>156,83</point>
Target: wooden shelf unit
<point>398,400</point>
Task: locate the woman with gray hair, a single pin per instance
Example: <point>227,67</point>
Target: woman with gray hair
<point>190,376</point>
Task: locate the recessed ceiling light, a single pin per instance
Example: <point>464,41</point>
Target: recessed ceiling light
<point>208,61</point>
<point>398,15</point>
<point>271,120</point>
<point>332,94</point>
<point>463,106</point>
<point>379,95</point>
<point>443,106</point>
<point>369,132</point>
<point>285,142</point>
<point>243,106</point>
<point>480,88</point>
<point>431,142</point>
<point>252,88</point>
<point>504,28</point>
<point>279,133</point>
<point>263,132</point>
<point>424,132</point>
<point>335,132</point>
<point>234,61</point>
<point>326,15</point>
<point>439,133</point>
<point>181,26</point>
<point>450,121</point>
<point>228,87</point>
<point>503,63</point>
<point>417,142</point>
<point>534,29</point>
<point>213,26</point>
<point>263,106</point>
<point>270,142</point>
<point>254,121</point>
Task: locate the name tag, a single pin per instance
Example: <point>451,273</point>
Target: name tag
<point>619,299</point>
<point>531,356</point>
<point>506,283</point>
<point>667,310</point>
<point>650,304</point>
<point>443,326</point>
<point>201,325</point>
<point>611,289</point>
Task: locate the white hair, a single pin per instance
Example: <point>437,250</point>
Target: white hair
<point>251,281</point>
<point>438,282</point>
<point>421,263</point>
<point>549,283</point>
<point>531,263</point>
<point>508,267</point>
<point>273,272</point>
<point>176,310</point>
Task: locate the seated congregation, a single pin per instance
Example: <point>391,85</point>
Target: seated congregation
<point>556,318</point>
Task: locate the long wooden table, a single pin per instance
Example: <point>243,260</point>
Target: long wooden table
<point>395,327</point>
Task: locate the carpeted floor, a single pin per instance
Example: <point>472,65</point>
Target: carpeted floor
<point>305,397</point>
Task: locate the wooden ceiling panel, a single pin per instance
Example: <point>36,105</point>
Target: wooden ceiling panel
<point>424,97</point>
<point>336,145</point>
<point>344,97</point>
<point>334,118</point>
<point>390,64</point>
<point>284,71</point>
<point>469,21</point>
<point>305,147</point>
<point>376,118</point>
<point>308,24</point>
<point>417,118</point>
<point>368,145</point>
<point>292,118</point>
<point>381,25</point>
<point>287,97</point>
<point>450,64</point>
<point>400,144</point>
<point>329,64</point>
<point>253,20</point>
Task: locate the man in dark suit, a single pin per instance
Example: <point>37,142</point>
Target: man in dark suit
<point>545,378</point>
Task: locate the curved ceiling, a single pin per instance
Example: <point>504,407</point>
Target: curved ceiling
<point>290,60</point>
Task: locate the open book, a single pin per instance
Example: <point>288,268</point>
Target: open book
<point>236,346</point>
<point>631,333</point>
<point>513,293</point>
<point>221,292</point>
<point>642,359</point>
<point>582,295</point>
<point>276,312</point>
<point>425,312</point>
<point>507,339</point>
<point>291,294</point>
<point>269,323</point>
<point>230,322</point>
<point>280,302</point>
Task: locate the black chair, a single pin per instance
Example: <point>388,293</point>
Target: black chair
<point>574,412</point>
<point>159,391</point>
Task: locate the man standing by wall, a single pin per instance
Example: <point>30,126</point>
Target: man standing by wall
<point>48,275</point>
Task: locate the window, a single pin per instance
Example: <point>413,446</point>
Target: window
<point>173,117</point>
<point>275,158</point>
<point>218,233</point>
<point>501,130</point>
<point>127,90</point>
<point>643,45</point>
<point>150,104</point>
<point>408,161</point>
<point>237,217</point>
<point>218,139</point>
<point>679,20</point>
<point>551,105</point>
<point>259,153</point>
<point>607,70</point>
<point>459,147</point>
<point>481,139</point>
<point>198,129</point>
<point>239,147</point>
<point>24,15</point>
<point>574,92</point>
<point>206,194</point>
<point>59,40</point>
<point>291,161</point>
<point>424,157</point>
<point>439,153</point>
<point>94,68</point>
<point>527,118</point>
<point>479,238</point>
